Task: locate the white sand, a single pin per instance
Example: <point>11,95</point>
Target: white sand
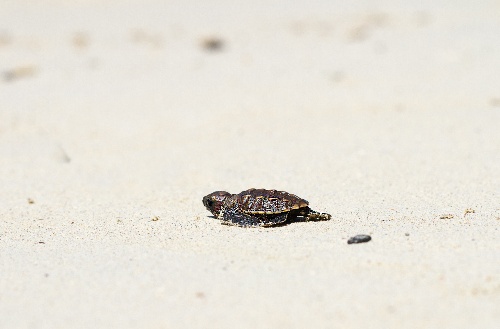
<point>385,115</point>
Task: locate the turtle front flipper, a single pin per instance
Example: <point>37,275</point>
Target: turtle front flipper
<point>316,216</point>
<point>233,216</point>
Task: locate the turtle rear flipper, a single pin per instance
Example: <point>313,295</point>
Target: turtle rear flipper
<point>316,216</point>
<point>234,216</point>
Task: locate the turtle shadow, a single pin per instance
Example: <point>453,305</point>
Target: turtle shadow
<point>295,219</point>
<point>292,220</point>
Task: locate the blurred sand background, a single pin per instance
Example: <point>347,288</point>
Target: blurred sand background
<point>117,117</point>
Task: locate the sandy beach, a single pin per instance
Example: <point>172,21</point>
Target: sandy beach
<point>117,117</point>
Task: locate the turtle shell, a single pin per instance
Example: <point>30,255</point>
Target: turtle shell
<point>261,201</point>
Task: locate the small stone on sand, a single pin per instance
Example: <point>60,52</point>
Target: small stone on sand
<point>360,238</point>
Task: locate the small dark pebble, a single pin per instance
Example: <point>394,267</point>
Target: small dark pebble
<point>213,44</point>
<point>359,239</point>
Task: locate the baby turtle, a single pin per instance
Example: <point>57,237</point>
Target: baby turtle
<point>259,207</point>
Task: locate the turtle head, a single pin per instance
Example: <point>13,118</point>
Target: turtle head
<point>213,202</point>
